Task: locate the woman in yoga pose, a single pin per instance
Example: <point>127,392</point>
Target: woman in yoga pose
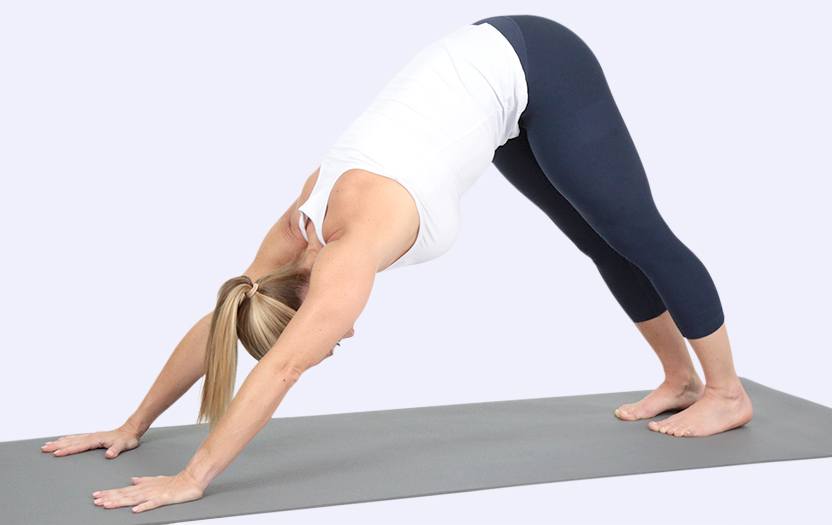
<point>522,91</point>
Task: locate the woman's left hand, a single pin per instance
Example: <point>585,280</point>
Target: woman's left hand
<point>148,492</point>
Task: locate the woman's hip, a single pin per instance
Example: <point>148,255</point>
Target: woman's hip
<point>563,75</point>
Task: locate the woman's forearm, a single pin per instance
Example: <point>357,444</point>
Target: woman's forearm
<point>340,285</point>
<point>182,369</point>
<point>249,411</point>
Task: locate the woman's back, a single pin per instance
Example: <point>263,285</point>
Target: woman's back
<point>434,128</point>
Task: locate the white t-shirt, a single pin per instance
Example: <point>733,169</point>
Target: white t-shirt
<point>434,128</point>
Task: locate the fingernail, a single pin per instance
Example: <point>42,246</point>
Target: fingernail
<point>96,493</point>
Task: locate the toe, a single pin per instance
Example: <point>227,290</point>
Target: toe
<point>671,420</point>
<point>624,413</point>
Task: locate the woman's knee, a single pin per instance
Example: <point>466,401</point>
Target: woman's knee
<point>645,242</point>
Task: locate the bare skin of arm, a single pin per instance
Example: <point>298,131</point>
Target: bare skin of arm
<point>187,362</point>
<point>368,233</point>
<point>181,371</point>
<point>339,288</point>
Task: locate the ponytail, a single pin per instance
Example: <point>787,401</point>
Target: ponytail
<point>221,353</point>
<point>255,313</point>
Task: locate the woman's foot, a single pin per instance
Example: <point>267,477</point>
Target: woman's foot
<point>670,395</point>
<point>718,410</point>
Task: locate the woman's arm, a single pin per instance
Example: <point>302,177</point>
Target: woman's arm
<point>339,287</point>
<point>183,368</point>
<point>187,363</point>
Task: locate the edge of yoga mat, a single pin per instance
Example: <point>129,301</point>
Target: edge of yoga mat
<point>635,393</point>
<point>181,512</point>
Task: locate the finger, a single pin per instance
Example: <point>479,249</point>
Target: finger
<point>143,480</point>
<point>108,501</point>
<point>113,451</point>
<point>103,494</point>
<point>72,449</point>
<point>62,443</point>
<point>147,505</point>
<point>112,503</point>
<point>120,497</point>
<point>72,437</point>
<point>49,446</point>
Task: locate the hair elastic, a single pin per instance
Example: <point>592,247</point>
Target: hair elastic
<point>253,290</point>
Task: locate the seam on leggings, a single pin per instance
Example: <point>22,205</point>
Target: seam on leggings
<point>524,65</point>
<point>522,40</point>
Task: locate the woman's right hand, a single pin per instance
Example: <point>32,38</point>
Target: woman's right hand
<point>116,441</point>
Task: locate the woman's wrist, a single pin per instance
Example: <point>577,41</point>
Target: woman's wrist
<point>200,470</point>
<point>189,478</point>
<point>136,427</point>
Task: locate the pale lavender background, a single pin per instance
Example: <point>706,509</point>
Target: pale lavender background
<point>146,148</point>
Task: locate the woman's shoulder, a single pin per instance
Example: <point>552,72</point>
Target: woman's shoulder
<point>377,204</point>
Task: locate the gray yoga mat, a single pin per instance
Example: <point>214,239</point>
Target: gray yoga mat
<point>312,461</point>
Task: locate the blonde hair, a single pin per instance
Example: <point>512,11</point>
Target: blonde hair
<point>257,319</point>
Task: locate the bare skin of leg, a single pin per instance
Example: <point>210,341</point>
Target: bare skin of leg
<point>710,408</point>
<point>681,386</point>
<point>724,404</point>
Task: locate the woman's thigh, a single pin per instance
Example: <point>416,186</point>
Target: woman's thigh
<point>578,137</point>
<point>516,162</point>
<point>628,284</point>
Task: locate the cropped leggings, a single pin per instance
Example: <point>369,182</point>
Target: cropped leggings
<point>575,159</point>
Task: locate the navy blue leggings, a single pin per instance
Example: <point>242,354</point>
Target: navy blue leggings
<point>575,159</point>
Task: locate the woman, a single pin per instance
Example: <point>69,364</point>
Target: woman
<point>521,91</point>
